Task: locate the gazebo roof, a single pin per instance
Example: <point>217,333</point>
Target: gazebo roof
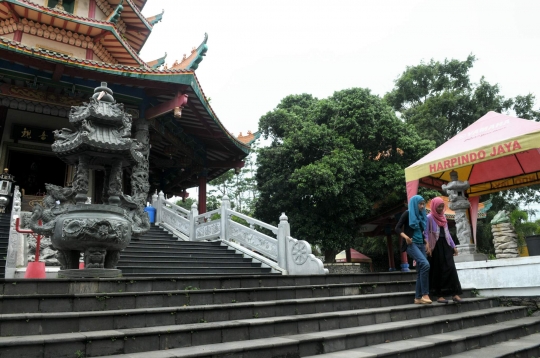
<point>497,152</point>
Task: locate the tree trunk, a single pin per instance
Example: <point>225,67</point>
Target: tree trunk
<point>330,256</point>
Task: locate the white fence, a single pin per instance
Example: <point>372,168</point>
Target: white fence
<point>282,252</point>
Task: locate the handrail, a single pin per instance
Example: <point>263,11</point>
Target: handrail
<point>253,221</point>
<point>177,207</point>
<point>283,254</point>
<point>254,240</point>
<point>207,214</point>
<point>177,222</point>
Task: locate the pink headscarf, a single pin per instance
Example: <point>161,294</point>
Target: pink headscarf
<point>440,219</point>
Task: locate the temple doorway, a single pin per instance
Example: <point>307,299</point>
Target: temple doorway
<point>33,170</point>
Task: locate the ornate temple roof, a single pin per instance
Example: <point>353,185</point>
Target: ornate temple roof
<point>134,26</point>
<point>187,137</point>
<point>109,40</point>
<point>196,133</point>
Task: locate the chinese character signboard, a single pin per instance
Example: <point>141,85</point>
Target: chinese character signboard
<point>32,134</point>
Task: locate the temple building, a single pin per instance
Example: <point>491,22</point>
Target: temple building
<point>53,53</point>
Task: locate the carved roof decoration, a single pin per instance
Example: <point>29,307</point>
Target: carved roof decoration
<point>158,62</point>
<point>7,43</point>
<point>132,23</point>
<point>192,61</point>
<point>156,18</point>
<point>56,34</point>
<point>104,32</point>
<point>249,137</point>
<point>33,106</point>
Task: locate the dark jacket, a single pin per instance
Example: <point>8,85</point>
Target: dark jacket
<point>403,226</point>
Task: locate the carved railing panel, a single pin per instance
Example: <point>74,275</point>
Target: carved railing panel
<point>171,217</point>
<point>301,260</point>
<point>176,209</point>
<point>253,222</point>
<point>206,216</point>
<point>15,251</point>
<point>208,230</point>
<point>254,240</point>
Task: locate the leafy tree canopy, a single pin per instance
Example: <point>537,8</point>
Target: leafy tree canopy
<point>330,160</point>
<point>440,100</point>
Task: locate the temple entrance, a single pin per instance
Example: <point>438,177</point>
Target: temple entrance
<point>32,171</point>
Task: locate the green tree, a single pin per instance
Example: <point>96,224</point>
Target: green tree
<point>239,186</point>
<point>440,100</point>
<point>186,204</point>
<point>333,163</point>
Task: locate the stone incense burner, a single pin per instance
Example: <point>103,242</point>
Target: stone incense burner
<point>102,141</point>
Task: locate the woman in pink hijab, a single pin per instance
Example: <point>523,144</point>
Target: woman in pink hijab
<point>443,277</point>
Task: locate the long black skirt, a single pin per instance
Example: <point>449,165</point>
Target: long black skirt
<point>443,277</point>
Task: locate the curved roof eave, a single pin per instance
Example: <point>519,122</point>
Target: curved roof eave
<point>179,77</point>
<point>104,25</point>
<point>139,15</point>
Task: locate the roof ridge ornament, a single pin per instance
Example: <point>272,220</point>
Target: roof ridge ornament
<point>156,18</point>
<point>192,61</point>
<point>157,62</point>
<point>115,15</point>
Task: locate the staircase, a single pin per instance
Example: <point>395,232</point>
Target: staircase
<point>158,253</point>
<point>368,315</point>
<point>4,240</point>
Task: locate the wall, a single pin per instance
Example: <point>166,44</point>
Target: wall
<point>347,268</point>
<point>516,277</point>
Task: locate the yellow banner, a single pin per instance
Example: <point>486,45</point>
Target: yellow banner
<point>496,150</point>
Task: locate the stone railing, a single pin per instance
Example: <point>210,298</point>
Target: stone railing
<point>16,252</point>
<point>174,218</point>
<point>283,253</point>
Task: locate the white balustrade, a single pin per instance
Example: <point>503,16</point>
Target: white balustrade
<point>16,255</point>
<point>283,253</point>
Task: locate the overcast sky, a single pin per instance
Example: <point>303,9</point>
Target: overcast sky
<point>261,51</point>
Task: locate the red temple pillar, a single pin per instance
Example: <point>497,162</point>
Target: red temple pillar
<point>202,193</point>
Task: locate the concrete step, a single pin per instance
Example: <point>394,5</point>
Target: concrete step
<point>181,257</point>
<point>527,346</point>
<point>313,345</point>
<point>89,285</point>
<point>376,280</point>
<point>208,262</point>
<point>274,299</point>
<point>514,336</point>
<point>174,248</point>
<point>228,314</point>
<point>178,341</point>
<point>208,268</point>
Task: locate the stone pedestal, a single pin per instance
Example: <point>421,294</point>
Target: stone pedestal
<point>467,252</point>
